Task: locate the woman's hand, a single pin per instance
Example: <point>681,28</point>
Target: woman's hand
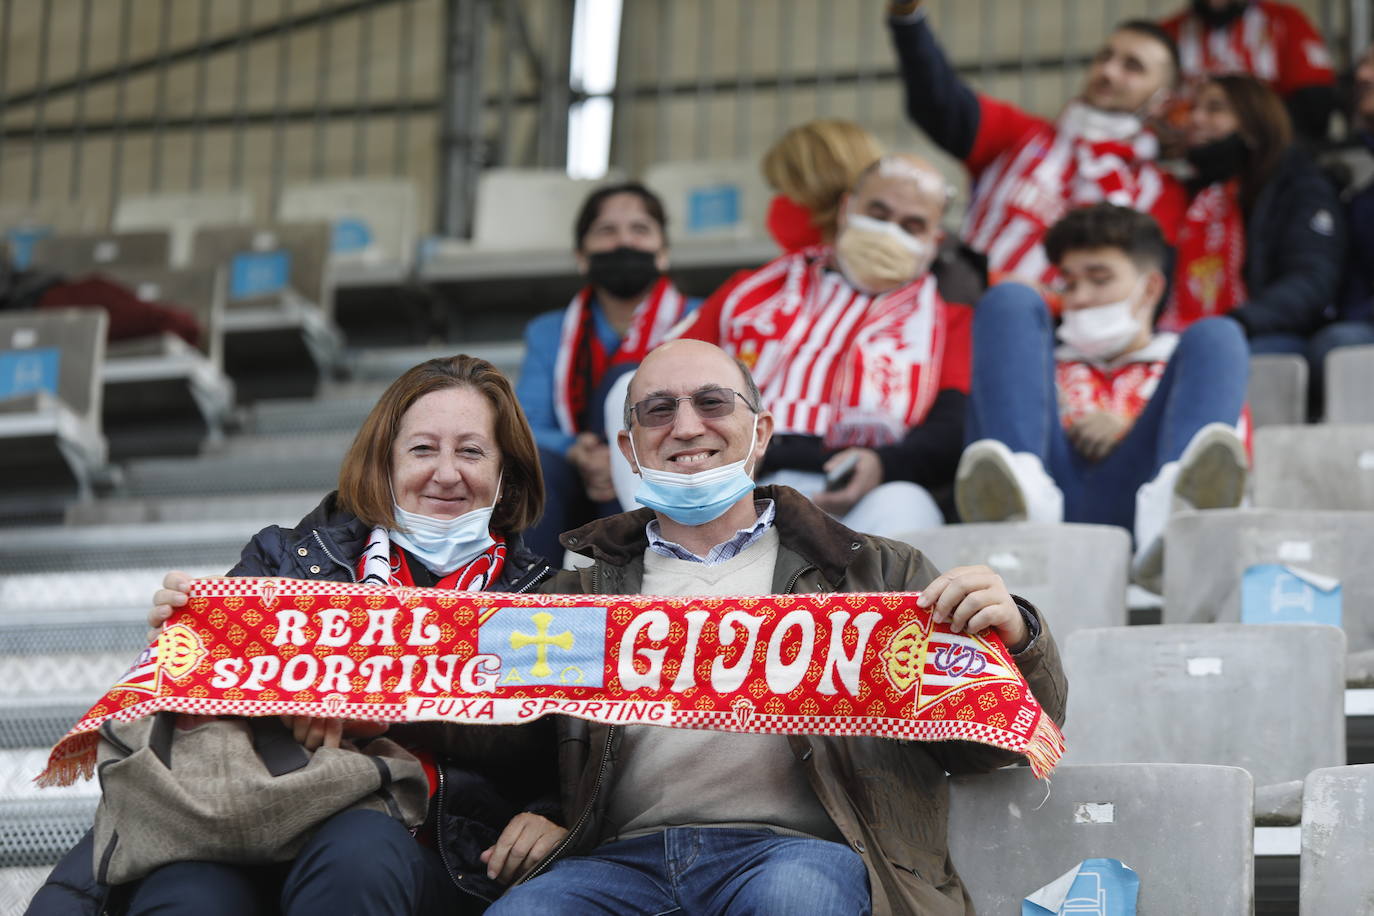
<point>973,598</point>
<point>527,839</point>
<point>868,473</point>
<point>175,592</point>
<point>1097,433</point>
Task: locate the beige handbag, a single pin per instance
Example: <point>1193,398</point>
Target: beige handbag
<point>239,791</point>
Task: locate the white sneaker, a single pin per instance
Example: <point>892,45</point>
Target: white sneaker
<point>1210,474</point>
<point>995,485</point>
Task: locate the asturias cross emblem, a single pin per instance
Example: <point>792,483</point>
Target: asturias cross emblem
<point>542,640</point>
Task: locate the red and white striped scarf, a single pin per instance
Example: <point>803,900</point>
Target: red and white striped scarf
<point>831,361</point>
<point>1087,157</point>
<point>383,563</point>
<point>1210,277</point>
<point>583,360</point>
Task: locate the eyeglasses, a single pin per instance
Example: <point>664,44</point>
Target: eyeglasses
<point>709,403</point>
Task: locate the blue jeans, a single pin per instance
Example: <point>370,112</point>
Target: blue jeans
<point>360,862</point>
<point>1014,399</point>
<point>1316,349</point>
<point>690,870</point>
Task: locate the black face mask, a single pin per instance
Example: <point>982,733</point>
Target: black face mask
<point>1219,160</point>
<point>623,272</point>
<point>1216,19</point>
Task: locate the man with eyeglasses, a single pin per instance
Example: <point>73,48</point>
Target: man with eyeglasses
<point>668,820</point>
<point>861,362</point>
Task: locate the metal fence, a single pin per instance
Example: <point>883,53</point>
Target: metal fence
<point>105,98</point>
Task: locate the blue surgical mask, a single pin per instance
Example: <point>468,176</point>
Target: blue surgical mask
<point>694,499</point>
<point>445,544</point>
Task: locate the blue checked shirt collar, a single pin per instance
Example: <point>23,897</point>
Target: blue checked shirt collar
<point>721,552</point>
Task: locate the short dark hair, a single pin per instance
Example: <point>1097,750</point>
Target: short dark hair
<point>591,208</point>
<point>365,477</point>
<point>1153,30</point>
<point>1134,233</point>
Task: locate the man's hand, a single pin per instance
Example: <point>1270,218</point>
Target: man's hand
<point>316,733</point>
<point>175,592</point>
<point>592,458</point>
<point>1097,433</point>
<point>527,839</point>
<point>973,598</point>
<point>868,473</point>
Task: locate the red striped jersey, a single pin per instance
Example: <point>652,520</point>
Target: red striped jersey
<point>831,361</point>
<point>1273,41</point>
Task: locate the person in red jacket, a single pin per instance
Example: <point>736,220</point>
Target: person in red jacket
<point>1029,171</point>
<point>859,358</point>
<point>1272,41</point>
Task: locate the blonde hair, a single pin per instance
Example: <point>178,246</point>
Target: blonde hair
<point>815,163</point>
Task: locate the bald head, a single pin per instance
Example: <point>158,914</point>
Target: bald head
<point>678,360</point>
<point>905,190</point>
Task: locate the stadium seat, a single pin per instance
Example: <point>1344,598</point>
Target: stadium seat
<point>1337,835</point>
<point>75,255</point>
<point>1076,573</point>
<point>51,445</point>
<point>182,215</point>
<point>1278,389</point>
<point>279,334</point>
<point>1269,699</point>
<point>525,209</point>
<point>373,221</point>
<point>1272,566</point>
<point>163,396</point>
<point>1184,829</point>
<point>23,224</point>
<point>725,199</point>
<point>1350,385</point>
<point>1326,466</point>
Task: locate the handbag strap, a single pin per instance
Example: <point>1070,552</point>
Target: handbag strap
<point>279,750</point>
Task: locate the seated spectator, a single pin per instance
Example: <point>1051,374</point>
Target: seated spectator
<point>573,355</point>
<point>130,316</point>
<point>1117,425</point>
<point>1263,237</point>
<point>810,168</point>
<point>1272,41</point>
<point>1029,171</point>
<point>857,355</point>
<point>1355,314</point>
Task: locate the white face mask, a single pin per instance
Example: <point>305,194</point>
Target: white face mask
<point>877,256</point>
<point>1103,331</point>
<point>695,498</point>
<point>445,544</point>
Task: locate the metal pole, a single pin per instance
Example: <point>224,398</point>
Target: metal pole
<point>240,94</point>
<point>1027,24</point>
<point>506,113</point>
<point>40,109</point>
<point>560,53</point>
<point>825,57</point>
<point>405,62</point>
<point>784,97</point>
<point>662,126</point>
<point>460,149</point>
<point>6,11</point>
<point>704,48</point>
<point>164,39</point>
<point>744,92</point>
<point>622,148</point>
<point>83,60</point>
<point>323,61</point>
<point>360,122</point>
<point>1068,83</point>
<point>1361,19</point>
<point>279,112</point>
<point>863,67</point>
<point>202,93</point>
<point>121,94</point>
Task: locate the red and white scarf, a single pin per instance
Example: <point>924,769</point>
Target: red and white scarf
<point>1088,156</point>
<point>834,362</point>
<point>1270,41</point>
<point>383,563</point>
<point>1210,277</point>
<point>583,360</point>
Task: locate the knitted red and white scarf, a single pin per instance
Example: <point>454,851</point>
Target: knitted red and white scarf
<point>1209,279</point>
<point>383,563</point>
<point>832,664</point>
